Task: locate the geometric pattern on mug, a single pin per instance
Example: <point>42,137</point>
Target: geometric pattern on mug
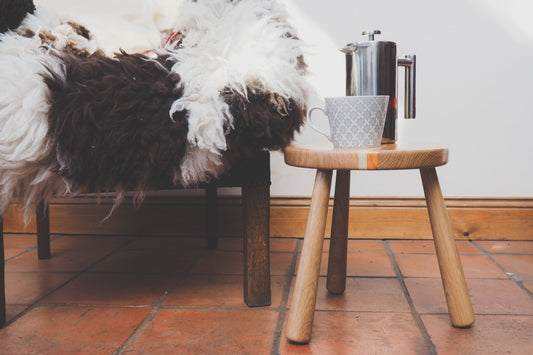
<point>358,122</point>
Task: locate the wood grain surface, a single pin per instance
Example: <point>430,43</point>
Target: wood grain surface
<point>369,217</point>
<point>386,157</point>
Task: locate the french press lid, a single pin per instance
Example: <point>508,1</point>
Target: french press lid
<point>352,47</point>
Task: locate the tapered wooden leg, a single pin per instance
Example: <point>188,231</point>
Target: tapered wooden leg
<point>339,234</point>
<point>302,310</point>
<point>2,276</point>
<point>256,216</point>
<point>453,279</point>
<point>212,218</point>
<point>43,231</point>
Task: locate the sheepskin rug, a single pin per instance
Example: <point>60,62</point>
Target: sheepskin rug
<point>228,81</point>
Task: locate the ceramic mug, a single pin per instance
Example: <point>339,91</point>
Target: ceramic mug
<point>354,121</point>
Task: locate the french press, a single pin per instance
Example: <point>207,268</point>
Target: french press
<point>371,69</point>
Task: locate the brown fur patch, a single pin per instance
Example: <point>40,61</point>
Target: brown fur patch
<point>25,32</point>
<point>47,37</point>
<point>110,123</point>
<point>263,120</point>
<point>79,29</point>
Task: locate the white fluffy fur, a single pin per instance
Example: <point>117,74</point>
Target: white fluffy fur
<point>229,45</point>
<point>24,110</point>
<point>23,119</point>
<point>132,25</point>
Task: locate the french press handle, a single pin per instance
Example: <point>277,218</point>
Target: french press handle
<point>409,63</point>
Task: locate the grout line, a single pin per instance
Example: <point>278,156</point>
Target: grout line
<point>53,238</point>
<point>418,319</point>
<point>511,276</point>
<point>156,306</point>
<point>282,310</point>
<point>284,300</point>
<point>76,275</point>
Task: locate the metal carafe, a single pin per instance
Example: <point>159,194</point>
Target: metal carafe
<point>371,69</point>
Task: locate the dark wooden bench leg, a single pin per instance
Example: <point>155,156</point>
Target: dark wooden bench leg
<point>212,218</point>
<point>2,276</point>
<point>256,219</point>
<point>43,231</point>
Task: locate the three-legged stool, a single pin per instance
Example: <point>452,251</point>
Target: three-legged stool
<point>387,157</point>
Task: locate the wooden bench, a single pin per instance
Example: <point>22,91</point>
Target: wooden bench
<point>253,177</point>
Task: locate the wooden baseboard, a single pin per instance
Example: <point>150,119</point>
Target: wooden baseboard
<point>370,218</point>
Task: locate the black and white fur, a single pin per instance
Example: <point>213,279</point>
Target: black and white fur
<point>74,120</point>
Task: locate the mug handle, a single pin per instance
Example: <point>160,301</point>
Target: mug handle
<point>313,126</point>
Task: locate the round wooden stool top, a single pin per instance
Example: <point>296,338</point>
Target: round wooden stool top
<point>386,157</point>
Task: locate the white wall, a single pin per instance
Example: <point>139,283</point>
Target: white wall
<point>474,91</point>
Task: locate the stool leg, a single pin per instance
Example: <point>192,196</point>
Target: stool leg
<point>336,283</point>
<point>302,310</point>
<point>453,279</point>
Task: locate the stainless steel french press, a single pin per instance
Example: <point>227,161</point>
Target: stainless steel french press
<point>371,69</point>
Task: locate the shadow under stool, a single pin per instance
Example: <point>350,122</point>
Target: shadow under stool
<point>387,157</point>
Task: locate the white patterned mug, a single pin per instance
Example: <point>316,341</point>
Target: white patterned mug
<point>354,121</point>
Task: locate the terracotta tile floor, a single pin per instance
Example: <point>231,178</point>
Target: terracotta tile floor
<point>154,295</point>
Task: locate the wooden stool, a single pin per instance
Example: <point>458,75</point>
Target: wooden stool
<point>387,157</point>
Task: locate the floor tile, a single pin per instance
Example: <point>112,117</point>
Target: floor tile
<point>16,244</point>
<point>361,333</point>
<point>12,252</point>
<point>283,244</point>
<point>488,296</point>
<point>193,331</point>
<point>62,260</point>
<point>199,243</point>
<point>491,334</point>
<point>280,263</point>
<point>428,247</point>
<point>13,310</point>
<point>361,264</point>
<point>148,261</point>
<point>60,330</point>
<point>113,289</point>
<point>220,262</point>
<point>421,265</point>
<point>168,243</point>
<point>364,294</point>
<point>518,266</point>
<point>230,244</point>
<point>367,264</point>
<point>510,247</point>
<point>26,288</point>
<point>217,291</point>
<point>104,287</point>
<point>361,246</point>
<point>89,242</point>
<point>20,241</point>
<point>528,285</point>
<point>231,263</point>
<point>276,244</point>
